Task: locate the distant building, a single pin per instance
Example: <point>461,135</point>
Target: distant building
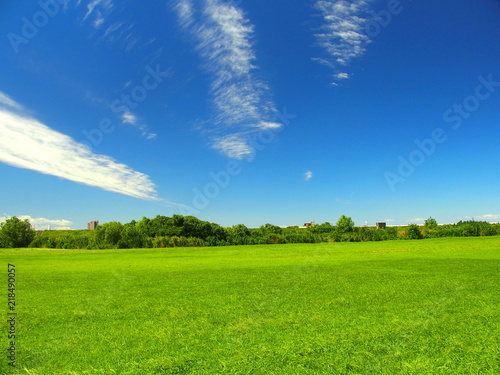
<point>311,224</point>
<point>381,225</point>
<point>92,225</point>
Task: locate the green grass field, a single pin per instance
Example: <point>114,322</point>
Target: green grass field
<point>395,307</point>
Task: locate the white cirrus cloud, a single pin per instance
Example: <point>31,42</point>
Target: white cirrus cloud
<point>223,37</point>
<point>265,125</point>
<point>98,22</point>
<point>233,146</point>
<point>130,118</point>
<point>8,102</point>
<point>342,75</point>
<point>98,7</point>
<point>98,12</point>
<point>110,31</point>
<point>342,34</point>
<point>185,12</point>
<point>27,143</point>
<point>124,114</point>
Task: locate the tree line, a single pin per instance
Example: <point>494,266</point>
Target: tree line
<point>189,231</point>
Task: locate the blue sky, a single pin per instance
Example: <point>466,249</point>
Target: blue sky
<point>250,112</point>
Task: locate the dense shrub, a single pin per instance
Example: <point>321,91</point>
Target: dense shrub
<point>109,234</point>
<point>272,238</point>
<point>65,240</point>
<point>188,231</point>
<point>413,232</point>
<point>345,224</point>
<point>131,238</point>
<point>175,241</point>
<point>430,223</point>
<point>296,235</point>
<point>16,233</point>
<point>468,229</point>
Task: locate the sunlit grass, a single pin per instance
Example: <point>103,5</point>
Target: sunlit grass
<point>395,307</point>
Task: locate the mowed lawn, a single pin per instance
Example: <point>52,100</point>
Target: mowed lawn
<point>395,307</point>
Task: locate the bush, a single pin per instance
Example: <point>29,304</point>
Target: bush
<point>413,232</point>
<point>430,223</point>
<point>468,229</point>
<point>175,241</point>
<point>188,231</point>
<point>109,234</point>
<point>345,224</point>
<point>374,235</point>
<point>272,238</point>
<point>295,235</point>
<point>65,240</point>
<point>430,233</point>
<point>16,233</point>
<point>130,238</point>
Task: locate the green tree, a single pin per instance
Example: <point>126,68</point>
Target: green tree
<point>270,229</point>
<point>239,235</point>
<point>163,226</point>
<point>431,223</point>
<point>322,228</point>
<point>16,233</point>
<point>144,227</point>
<point>110,233</point>
<point>240,230</point>
<point>131,238</point>
<point>413,232</point>
<point>345,224</point>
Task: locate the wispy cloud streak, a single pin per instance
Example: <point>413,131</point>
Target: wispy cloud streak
<point>342,35</point>
<point>224,39</point>
<point>100,8</point>
<point>27,143</point>
<point>130,118</point>
<point>98,14</point>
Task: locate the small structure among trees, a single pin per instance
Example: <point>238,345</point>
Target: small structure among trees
<point>92,225</point>
<point>381,225</point>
